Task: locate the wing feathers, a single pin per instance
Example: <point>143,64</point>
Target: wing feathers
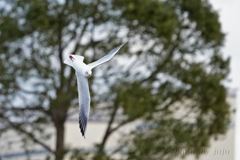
<point>105,58</point>
<point>80,58</point>
<point>84,102</point>
<point>68,61</point>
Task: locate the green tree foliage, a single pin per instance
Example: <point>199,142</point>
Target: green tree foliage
<point>171,78</point>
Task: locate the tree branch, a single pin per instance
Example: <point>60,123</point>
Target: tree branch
<point>161,66</point>
<point>17,127</point>
<point>120,125</point>
<point>108,131</point>
<point>166,60</point>
<point>36,108</point>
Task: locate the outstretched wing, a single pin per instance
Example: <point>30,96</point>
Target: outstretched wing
<point>105,58</point>
<point>69,62</point>
<point>84,102</point>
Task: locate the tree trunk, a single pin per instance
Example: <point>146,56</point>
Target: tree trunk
<point>102,145</point>
<point>58,114</point>
<point>108,132</point>
<point>60,141</point>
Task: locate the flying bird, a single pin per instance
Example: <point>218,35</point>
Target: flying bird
<point>83,71</point>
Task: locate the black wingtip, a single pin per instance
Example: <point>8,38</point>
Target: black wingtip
<point>81,130</point>
<point>83,135</point>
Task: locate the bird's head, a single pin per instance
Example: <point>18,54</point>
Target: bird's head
<point>71,57</point>
<point>88,73</point>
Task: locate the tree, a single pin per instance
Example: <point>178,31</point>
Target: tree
<point>172,62</point>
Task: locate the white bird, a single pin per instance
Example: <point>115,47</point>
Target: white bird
<point>84,71</point>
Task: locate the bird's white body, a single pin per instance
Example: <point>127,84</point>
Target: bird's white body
<point>84,71</point>
<point>81,68</point>
<point>77,63</point>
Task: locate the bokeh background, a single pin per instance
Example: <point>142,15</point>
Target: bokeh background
<point>169,93</point>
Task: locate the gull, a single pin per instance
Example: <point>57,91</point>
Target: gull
<point>83,71</point>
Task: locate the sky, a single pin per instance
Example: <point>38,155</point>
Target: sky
<point>229,17</point>
<point>229,12</point>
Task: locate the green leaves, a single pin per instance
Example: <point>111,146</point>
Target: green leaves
<point>136,100</point>
<point>206,20</point>
<point>7,26</point>
<point>157,18</point>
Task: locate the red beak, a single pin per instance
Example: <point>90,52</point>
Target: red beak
<point>71,57</point>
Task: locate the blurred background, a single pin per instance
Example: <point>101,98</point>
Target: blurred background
<point>170,93</point>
